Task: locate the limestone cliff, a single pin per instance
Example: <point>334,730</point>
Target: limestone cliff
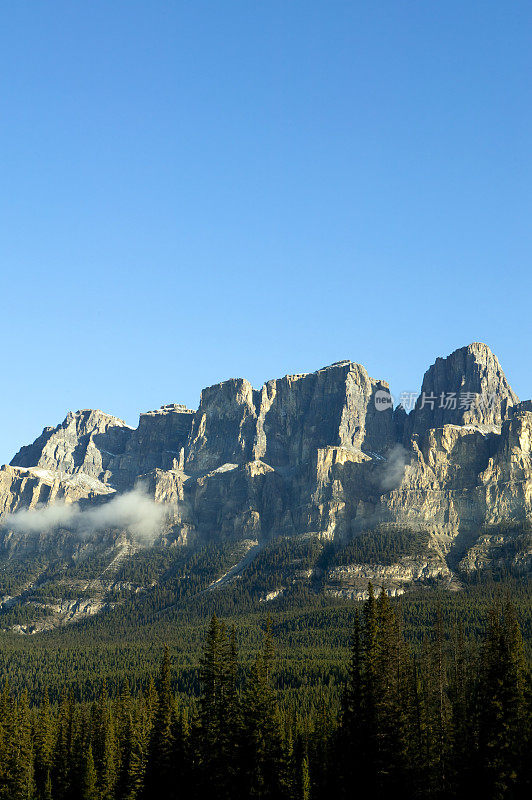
<point>315,455</point>
<point>466,388</point>
<point>85,441</point>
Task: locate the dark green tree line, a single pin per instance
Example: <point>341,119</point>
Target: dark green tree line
<point>437,721</point>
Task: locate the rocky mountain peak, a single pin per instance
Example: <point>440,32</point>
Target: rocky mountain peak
<point>88,421</point>
<point>313,455</point>
<point>66,447</point>
<point>468,387</point>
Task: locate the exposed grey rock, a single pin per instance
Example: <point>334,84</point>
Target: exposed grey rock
<point>105,448</point>
<point>335,407</point>
<point>224,426</point>
<point>86,441</point>
<point>311,455</point>
<point>470,373</point>
<point>22,487</point>
<point>286,421</point>
<point>159,442</point>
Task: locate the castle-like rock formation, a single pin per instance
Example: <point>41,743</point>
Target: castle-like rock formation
<point>320,454</point>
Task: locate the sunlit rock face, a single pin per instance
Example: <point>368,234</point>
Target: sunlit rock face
<point>84,442</point>
<point>466,388</point>
<point>285,422</point>
<point>313,455</point>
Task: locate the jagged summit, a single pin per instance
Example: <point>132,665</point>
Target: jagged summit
<point>92,417</point>
<point>288,419</point>
<point>310,455</point>
<point>283,423</point>
<point>468,387</point>
<point>71,445</point>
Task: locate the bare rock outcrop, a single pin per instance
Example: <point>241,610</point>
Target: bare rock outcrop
<point>466,388</point>
<point>22,487</point>
<point>314,455</point>
<point>86,441</point>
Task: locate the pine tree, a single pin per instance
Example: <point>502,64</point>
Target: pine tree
<point>159,768</point>
<point>89,777</point>
<point>23,784</point>
<point>502,711</point>
<point>216,682</point>
<point>104,745</point>
<point>304,792</point>
<point>263,763</point>
<point>44,748</point>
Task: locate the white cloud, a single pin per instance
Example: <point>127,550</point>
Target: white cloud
<point>394,468</point>
<point>132,511</point>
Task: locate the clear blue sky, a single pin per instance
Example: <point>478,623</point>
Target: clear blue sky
<point>192,191</point>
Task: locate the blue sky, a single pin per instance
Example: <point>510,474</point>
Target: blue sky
<point>192,191</point>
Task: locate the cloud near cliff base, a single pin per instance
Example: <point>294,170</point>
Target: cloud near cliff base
<point>394,468</point>
<point>133,511</point>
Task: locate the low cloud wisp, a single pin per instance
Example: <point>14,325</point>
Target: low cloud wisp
<point>133,511</point>
<point>394,468</point>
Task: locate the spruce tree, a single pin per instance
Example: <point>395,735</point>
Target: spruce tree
<point>63,772</point>
<point>349,740</point>
<point>89,777</point>
<point>131,760</point>
<point>104,746</point>
<point>304,789</point>
<point>183,757</point>
<point>369,691</point>
<point>462,690</point>
<point>263,763</point>
<point>23,784</point>
<point>390,707</point>
<point>502,711</point>
<point>159,768</point>
<point>230,715</point>
<point>372,741</point>
<point>215,683</point>
<point>7,714</point>
<point>44,748</point>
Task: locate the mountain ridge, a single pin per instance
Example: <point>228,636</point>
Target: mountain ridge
<point>321,455</point>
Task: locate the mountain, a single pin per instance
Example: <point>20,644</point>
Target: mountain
<point>314,480</point>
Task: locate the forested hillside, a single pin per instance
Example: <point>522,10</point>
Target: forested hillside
<point>443,717</point>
